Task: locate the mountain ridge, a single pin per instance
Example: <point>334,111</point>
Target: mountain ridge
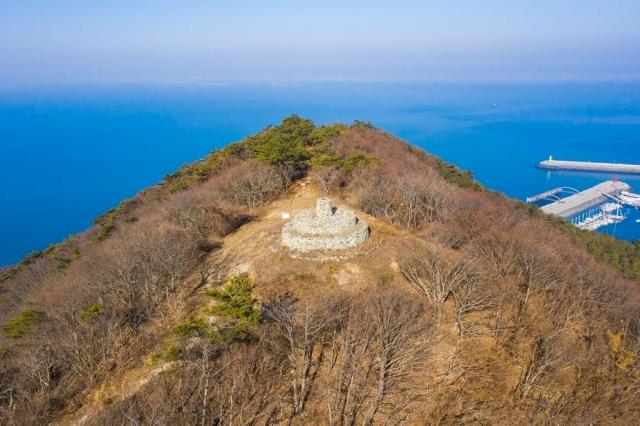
<point>182,299</point>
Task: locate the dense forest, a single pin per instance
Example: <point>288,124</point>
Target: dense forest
<point>180,307</point>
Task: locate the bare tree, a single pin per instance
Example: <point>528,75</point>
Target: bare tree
<point>421,201</point>
<point>195,220</point>
<point>329,178</point>
<point>85,342</point>
<point>471,296</point>
<point>246,388</point>
<point>142,272</point>
<point>377,197</point>
<point>400,346</point>
<point>210,271</point>
<point>353,370</point>
<point>305,331</point>
<point>205,215</point>
<point>537,271</point>
<point>546,355</point>
<point>500,252</point>
<point>381,345</point>
<point>41,367</point>
<point>253,184</point>
<point>437,275</point>
<point>409,202</point>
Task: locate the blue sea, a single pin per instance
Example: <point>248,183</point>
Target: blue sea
<point>68,153</point>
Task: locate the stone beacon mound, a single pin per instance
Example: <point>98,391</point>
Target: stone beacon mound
<point>324,228</point>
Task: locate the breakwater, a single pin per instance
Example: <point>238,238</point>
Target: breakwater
<point>586,166</point>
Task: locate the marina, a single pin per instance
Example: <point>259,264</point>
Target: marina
<point>584,200</point>
<point>599,206</point>
<point>606,214</point>
<point>629,199</point>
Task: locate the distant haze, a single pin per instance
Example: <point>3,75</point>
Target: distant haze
<point>61,41</point>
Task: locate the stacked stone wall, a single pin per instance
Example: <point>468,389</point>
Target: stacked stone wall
<point>324,228</point>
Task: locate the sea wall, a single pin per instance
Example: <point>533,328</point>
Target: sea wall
<point>590,167</point>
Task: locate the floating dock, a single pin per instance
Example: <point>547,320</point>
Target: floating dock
<point>606,214</point>
<point>586,199</point>
<point>586,166</point>
<point>626,198</point>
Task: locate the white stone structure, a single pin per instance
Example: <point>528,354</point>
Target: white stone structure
<point>324,228</point>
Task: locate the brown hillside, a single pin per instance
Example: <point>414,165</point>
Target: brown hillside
<point>182,307</point>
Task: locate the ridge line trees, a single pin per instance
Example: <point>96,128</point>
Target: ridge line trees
<point>283,146</point>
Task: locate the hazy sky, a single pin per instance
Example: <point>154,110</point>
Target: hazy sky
<point>103,40</point>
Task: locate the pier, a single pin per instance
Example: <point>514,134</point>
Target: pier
<point>586,166</point>
<point>550,195</point>
<point>586,199</point>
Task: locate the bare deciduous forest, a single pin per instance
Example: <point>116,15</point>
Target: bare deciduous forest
<point>179,307</point>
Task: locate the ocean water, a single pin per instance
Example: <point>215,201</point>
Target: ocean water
<point>69,153</point>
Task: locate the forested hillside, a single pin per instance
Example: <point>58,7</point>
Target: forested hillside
<point>180,306</point>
